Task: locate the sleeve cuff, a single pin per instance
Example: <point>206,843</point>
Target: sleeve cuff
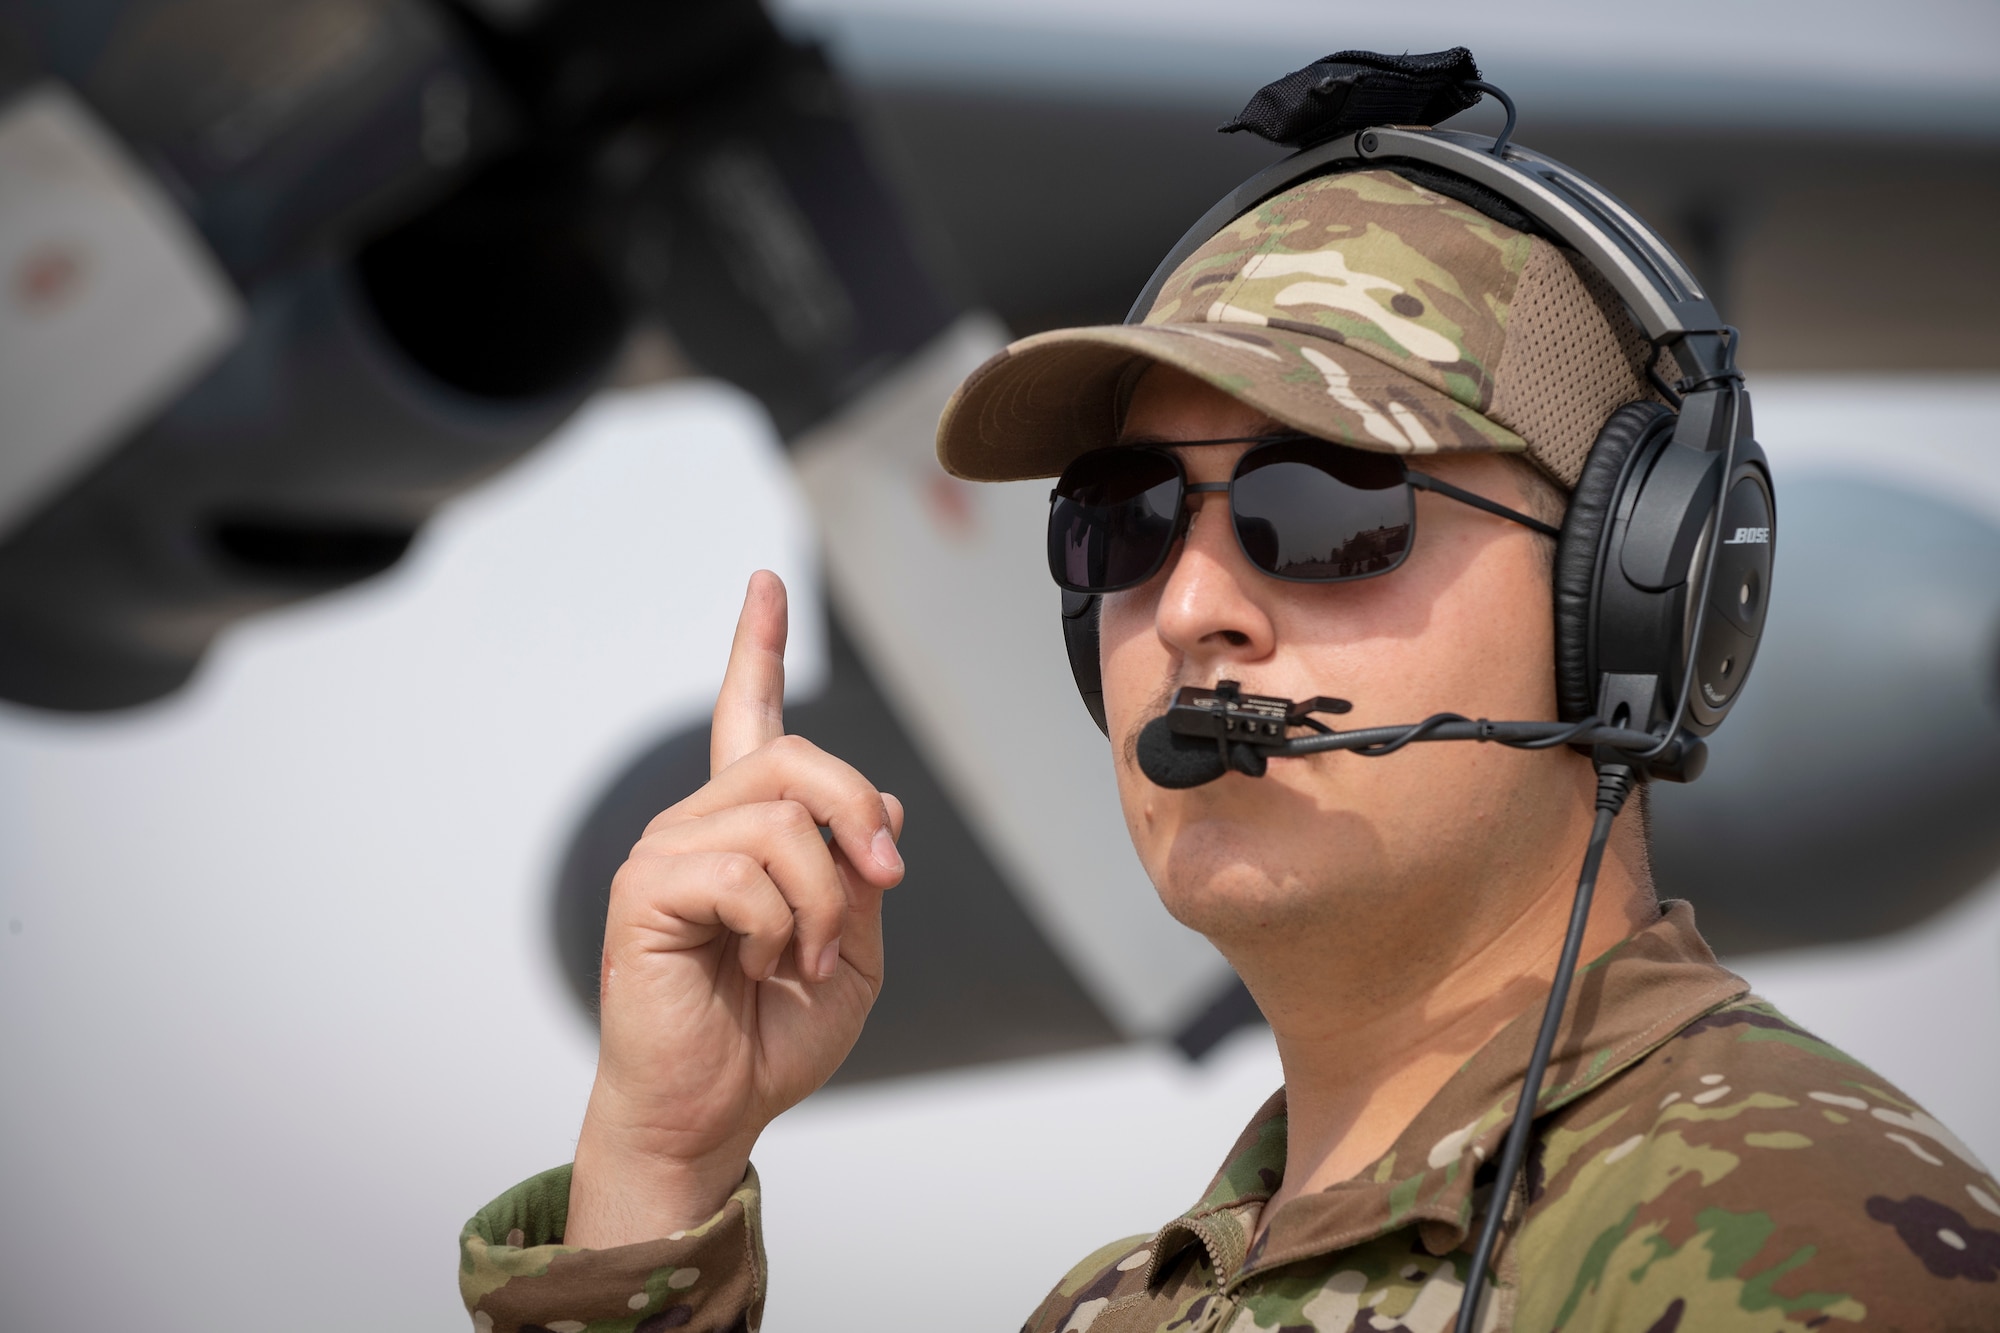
<point>515,1273</point>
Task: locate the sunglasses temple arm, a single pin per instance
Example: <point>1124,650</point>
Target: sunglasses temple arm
<point>1425,482</point>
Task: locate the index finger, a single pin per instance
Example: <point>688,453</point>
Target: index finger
<point>750,707</point>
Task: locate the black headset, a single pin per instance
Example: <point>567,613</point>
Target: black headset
<point>1663,569</point>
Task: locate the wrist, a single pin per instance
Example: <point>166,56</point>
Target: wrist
<point>620,1199</point>
<point>633,1185</point>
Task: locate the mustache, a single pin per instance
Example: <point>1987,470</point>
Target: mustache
<point>1156,704</point>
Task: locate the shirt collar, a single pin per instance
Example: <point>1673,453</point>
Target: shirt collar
<point>1623,1004</point>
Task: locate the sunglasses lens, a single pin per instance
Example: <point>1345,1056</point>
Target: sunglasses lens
<point>1112,519</point>
<point>1319,512</point>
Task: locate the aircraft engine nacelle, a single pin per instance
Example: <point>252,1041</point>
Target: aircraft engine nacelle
<point>292,275</point>
<point>1854,791</point>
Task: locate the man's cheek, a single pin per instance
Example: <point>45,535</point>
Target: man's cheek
<point>1129,650</point>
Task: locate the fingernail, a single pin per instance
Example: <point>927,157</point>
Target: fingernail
<point>884,850</point>
<point>829,959</point>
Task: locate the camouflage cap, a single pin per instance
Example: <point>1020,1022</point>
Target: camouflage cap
<point>1360,307</point>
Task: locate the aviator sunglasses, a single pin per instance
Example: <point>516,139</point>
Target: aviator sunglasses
<point>1305,510</point>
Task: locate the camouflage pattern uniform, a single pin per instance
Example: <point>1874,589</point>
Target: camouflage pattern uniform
<point>1700,1164</point>
<point>517,1276</point>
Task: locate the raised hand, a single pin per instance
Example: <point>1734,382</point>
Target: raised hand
<point>742,951</point>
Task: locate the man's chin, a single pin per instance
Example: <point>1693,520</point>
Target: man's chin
<point>1219,880</point>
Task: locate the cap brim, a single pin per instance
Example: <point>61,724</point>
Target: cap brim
<point>1039,403</point>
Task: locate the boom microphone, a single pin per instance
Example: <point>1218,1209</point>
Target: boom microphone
<point>1170,759</point>
<point>1210,731</point>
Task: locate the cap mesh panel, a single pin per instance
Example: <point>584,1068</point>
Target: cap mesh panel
<point>1573,356</point>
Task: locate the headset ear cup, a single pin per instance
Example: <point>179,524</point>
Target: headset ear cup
<point>1581,546</point>
<point>1079,625</point>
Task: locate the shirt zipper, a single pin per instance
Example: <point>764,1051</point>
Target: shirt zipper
<point>1215,1314</point>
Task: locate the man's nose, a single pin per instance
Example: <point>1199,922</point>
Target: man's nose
<point>1211,609</point>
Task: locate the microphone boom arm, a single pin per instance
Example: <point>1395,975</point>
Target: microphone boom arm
<point>1248,730</point>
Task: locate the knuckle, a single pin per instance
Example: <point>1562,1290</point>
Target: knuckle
<point>791,748</point>
<point>657,851</point>
<point>790,818</point>
<point>622,889</point>
<point>675,816</point>
<point>652,842</point>
<point>737,873</point>
<point>864,801</point>
<point>638,868</point>
<point>823,900</point>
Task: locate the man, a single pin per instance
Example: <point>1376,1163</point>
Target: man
<point>1698,1161</point>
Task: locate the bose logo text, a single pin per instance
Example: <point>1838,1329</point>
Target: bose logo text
<point>1750,537</point>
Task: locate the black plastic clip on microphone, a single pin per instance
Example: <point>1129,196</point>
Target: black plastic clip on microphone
<point>1243,730</point>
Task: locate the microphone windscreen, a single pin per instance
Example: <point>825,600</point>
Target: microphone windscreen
<point>1169,759</point>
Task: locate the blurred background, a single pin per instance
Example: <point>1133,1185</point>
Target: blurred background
<point>396,394</point>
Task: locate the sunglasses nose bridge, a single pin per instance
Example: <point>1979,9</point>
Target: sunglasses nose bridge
<point>1191,504</point>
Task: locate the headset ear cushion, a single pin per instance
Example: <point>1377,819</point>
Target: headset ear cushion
<point>1577,552</point>
<point>1080,639</point>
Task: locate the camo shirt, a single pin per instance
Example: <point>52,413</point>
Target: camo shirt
<point>1700,1164</point>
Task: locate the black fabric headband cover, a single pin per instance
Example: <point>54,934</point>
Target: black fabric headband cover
<point>1351,90</point>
